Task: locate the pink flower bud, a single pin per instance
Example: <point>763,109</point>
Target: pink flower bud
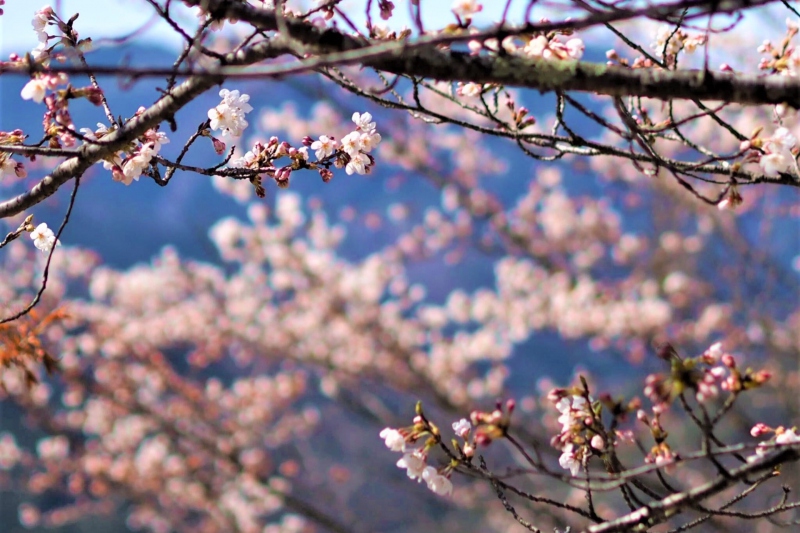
<point>219,146</point>
<point>510,405</point>
<point>19,170</point>
<point>762,376</point>
<point>482,438</point>
<point>94,95</point>
<point>728,360</point>
<point>759,429</point>
<point>598,443</point>
<point>469,450</point>
<point>556,394</point>
<point>117,174</point>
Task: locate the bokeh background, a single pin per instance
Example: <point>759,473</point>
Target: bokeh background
<point>754,280</point>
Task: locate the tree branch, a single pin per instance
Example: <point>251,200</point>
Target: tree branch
<point>659,511</point>
<point>89,154</point>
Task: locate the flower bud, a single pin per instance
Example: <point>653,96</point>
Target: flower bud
<point>19,170</point>
<point>762,376</point>
<point>219,146</point>
<point>728,360</point>
<point>469,450</point>
<point>556,395</point>
<point>94,95</point>
<point>117,174</point>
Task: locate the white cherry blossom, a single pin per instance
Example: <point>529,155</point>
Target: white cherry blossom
<point>414,463</point>
<point>228,116</point>
<point>351,143</point>
<point>43,238</point>
<point>35,89</point>
<point>569,461</point>
<point>462,427</point>
<point>39,22</point>
<point>789,436</point>
<point>363,121</point>
<point>7,166</point>
<point>466,8</point>
<point>324,147</point>
<point>436,482</point>
<point>369,140</point>
<point>394,439</point>
<point>357,165</point>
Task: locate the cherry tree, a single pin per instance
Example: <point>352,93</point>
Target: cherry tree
<point>628,170</point>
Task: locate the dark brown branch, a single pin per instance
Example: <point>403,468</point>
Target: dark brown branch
<point>421,58</point>
<point>657,512</point>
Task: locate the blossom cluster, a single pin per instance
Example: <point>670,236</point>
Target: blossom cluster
<point>775,154</point>
<point>465,9</point>
<point>576,417</point>
<point>36,89</point>
<point>784,58</point>
<point>9,166</point>
<point>57,122</point>
<point>352,154</point>
<point>127,167</point>
<point>783,436</point>
<point>414,459</point>
<point>229,115</point>
<point>713,371</point>
<point>357,144</point>
<point>40,21</point>
<point>670,41</point>
<point>552,46</point>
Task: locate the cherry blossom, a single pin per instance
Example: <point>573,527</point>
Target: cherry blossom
<point>630,253</point>
<point>35,90</point>
<point>788,436</point>
<point>40,22</point>
<point>779,157</point>
<point>363,121</point>
<point>462,428</point>
<point>9,166</point>
<point>229,115</point>
<point>43,238</point>
<point>414,463</point>
<point>357,164</point>
<point>437,483</point>
<point>324,147</point>
<point>394,439</point>
<point>569,460</point>
<point>466,8</point>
